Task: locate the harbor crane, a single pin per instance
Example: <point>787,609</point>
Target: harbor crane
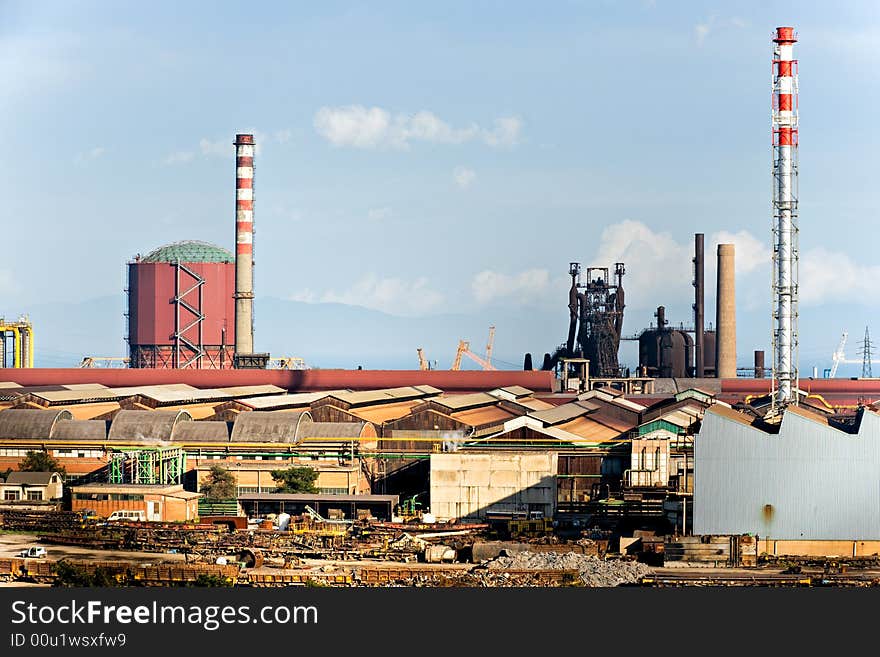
<point>464,349</point>
<point>839,356</point>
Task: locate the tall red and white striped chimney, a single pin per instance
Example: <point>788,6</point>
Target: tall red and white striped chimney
<point>244,244</point>
<point>785,217</point>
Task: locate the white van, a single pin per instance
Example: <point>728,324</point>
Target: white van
<point>128,515</point>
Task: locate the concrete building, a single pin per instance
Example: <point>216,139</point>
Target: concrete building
<point>159,503</point>
<point>255,476</point>
<point>467,486</point>
<point>808,478</point>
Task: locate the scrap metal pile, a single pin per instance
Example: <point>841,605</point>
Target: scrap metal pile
<point>591,570</point>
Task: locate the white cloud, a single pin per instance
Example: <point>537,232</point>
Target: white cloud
<point>376,214</point>
<point>357,126</point>
<point>91,154</point>
<point>701,31</point>
<point>523,288</point>
<point>463,176</point>
<point>219,147</point>
<point>390,295</point>
<point>179,157</point>
<point>831,276</point>
<point>505,134</point>
<point>750,252</point>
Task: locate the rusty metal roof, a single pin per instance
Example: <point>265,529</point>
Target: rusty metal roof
<point>564,412</point>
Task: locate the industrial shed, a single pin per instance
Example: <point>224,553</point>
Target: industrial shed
<point>807,479</point>
<point>269,426</point>
<point>469,486</point>
<point>145,426</point>
<point>30,424</point>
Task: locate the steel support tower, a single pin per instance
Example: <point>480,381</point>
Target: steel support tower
<point>785,218</point>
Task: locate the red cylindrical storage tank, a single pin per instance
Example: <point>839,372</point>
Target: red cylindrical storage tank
<point>181,307</point>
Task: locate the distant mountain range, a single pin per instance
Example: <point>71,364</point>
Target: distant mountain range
<point>331,335</point>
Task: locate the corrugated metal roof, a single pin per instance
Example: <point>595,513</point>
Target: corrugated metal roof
<point>150,426</point>
<point>92,430</point>
<point>385,412</point>
<point>297,400</point>
<point>511,392</point>
<point>587,428</point>
<point>564,412</point>
<point>203,431</point>
<point>269,426</point>
<point>30,423</point>
<point>331,430</point>
<point>91,411</point>
<point>476,417</point>
<point>730,414</point>
<point>462,402</point>
<point>368,397</point>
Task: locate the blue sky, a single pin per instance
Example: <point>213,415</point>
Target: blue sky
<point>450,158</point>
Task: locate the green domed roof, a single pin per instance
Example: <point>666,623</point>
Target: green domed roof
<point>189,251</point>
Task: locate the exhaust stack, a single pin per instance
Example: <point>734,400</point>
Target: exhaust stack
<point>699,296</point>
<point>785,227</point>
<point>244,244</point>
<point>725,314</point>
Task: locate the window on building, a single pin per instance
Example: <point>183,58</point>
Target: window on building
<point>11,495</point>
<point>35,495</point>
<point>334,491</point>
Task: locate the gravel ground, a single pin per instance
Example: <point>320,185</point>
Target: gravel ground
<point>594,571</point>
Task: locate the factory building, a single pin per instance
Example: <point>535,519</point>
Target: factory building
<point>181,307</point>
<point>806,478</point>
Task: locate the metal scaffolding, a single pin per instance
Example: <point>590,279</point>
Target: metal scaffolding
<point>159,465</point>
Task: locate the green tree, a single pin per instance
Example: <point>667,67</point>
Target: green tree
<point>296,480</point>
<point>40,462</point>
<point>68,574</point>
<point>219,484</point>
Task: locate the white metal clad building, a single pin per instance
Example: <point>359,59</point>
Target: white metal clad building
<point>811,481</point>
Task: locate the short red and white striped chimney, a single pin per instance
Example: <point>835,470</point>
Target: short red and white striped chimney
<point>244,244</point>
<point>785,217</point>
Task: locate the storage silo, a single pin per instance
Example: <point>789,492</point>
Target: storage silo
<point>181,307</point>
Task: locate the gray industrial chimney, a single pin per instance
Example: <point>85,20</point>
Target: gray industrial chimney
<point>725,314</point>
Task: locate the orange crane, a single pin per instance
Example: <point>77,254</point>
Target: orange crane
<point>464,349</point>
